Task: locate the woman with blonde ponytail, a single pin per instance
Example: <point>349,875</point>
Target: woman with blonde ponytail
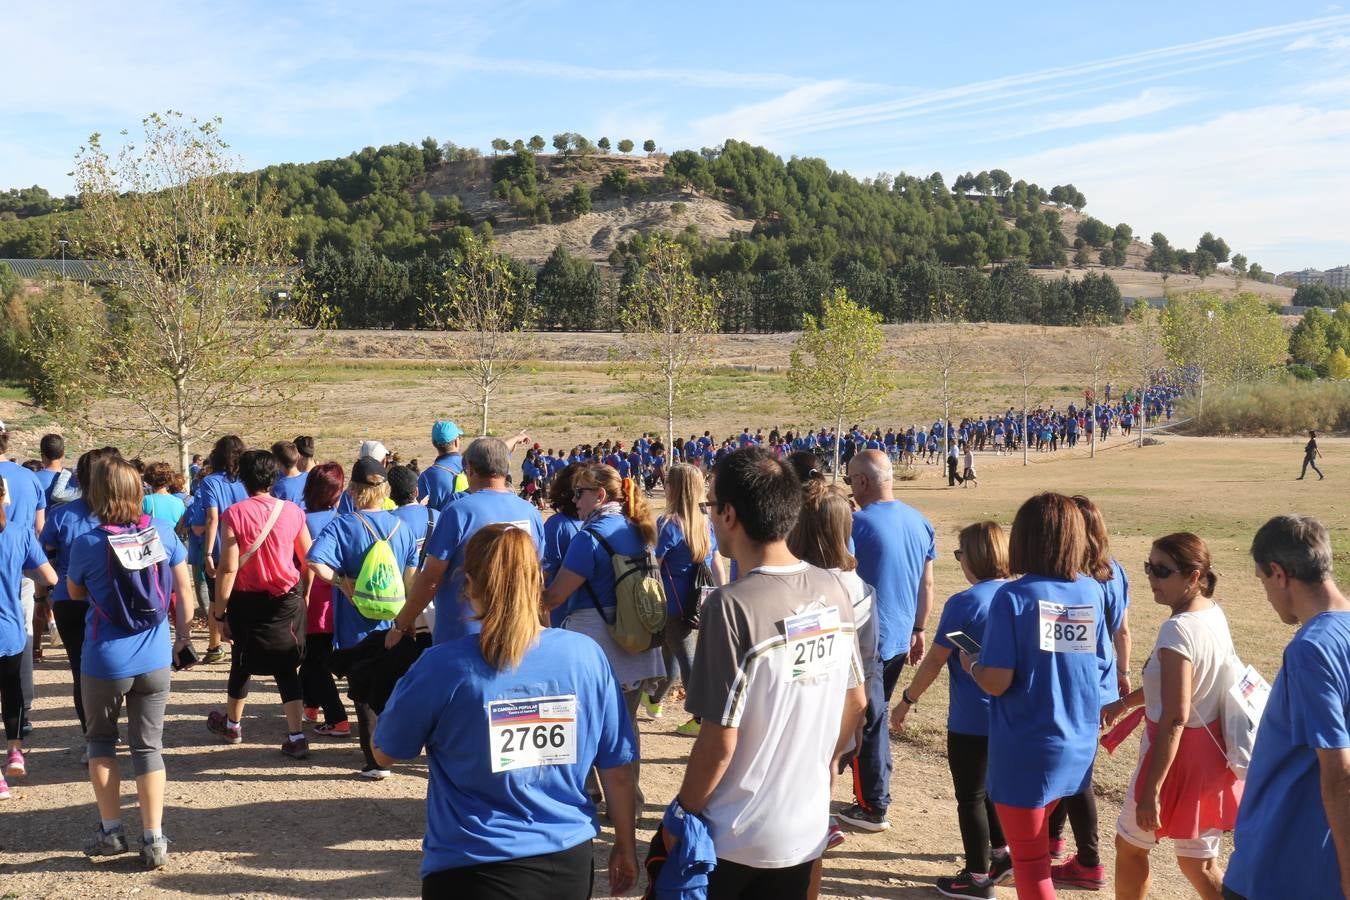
<point>686,550</point>
<point>614,513</point>
<point>513,719</point>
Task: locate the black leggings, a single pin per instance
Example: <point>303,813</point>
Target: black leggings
<point>565,875</point>
<point>1081,811</point>
<point>70,616</point>
<point>288,680</point>
<point>365,731</point>
<point>317,679</point>
<point>968,760</point>
<point>11,694</point>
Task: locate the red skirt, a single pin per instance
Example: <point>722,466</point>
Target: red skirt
<point>1200,792</point>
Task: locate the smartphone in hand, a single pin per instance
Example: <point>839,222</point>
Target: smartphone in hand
<point>964,642</point>
<point>186,659</point>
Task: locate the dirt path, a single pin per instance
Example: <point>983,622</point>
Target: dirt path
<point>247,822</point>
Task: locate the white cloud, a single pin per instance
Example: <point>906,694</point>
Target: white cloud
<point>1050,83</point>
<point>1145,103</point>
<point>1270,180</point>
<point>1320,42</point>
<point>763,122</point>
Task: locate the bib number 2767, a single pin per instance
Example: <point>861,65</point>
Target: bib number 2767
<point>534,732</point>
<point>813,643</point>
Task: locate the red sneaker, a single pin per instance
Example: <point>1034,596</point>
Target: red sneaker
<point>340,730</point>
<point>1059,849</point>
<point>1076,875</point>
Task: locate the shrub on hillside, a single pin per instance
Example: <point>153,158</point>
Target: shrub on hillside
<point>1286,406</point>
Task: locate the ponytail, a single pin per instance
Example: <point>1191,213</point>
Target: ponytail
<point>1211,581</point>
<point>636,511</point>
<point>502,568</point>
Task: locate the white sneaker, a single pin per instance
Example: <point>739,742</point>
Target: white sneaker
<point>374,773</point>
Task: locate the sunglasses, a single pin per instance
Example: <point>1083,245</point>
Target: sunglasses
<point>579,492</point>
<point>707,505</point>
<point>958,554</point>
<point>1159,571</point>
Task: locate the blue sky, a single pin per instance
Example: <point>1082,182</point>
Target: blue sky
<point>1176,117</point>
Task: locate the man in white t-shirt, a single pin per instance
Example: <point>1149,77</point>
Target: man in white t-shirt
<point>777,683</point>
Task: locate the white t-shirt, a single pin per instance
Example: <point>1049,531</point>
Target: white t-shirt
<point>776,656</point>
<point>1204,639</point>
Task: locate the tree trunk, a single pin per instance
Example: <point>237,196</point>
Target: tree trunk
<point>182,438</point>
<point>1026,435</point>
<point>670,417</point>
<point>838,442</point>
<point>483,409</point>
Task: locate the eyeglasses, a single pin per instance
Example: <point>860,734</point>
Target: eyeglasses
<point>578,492</point>
<point>1159,571</point>
<point>710,504</point>
<point>958,554</point>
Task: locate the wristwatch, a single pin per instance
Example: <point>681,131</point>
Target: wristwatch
<point>904,695</point>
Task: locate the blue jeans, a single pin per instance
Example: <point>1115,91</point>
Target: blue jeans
<point>872,765</point>
<point>678,653</point>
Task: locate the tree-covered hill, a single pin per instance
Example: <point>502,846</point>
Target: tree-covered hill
<point>376,228</point>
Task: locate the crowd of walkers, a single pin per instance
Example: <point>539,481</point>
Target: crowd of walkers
<point>517,654</point>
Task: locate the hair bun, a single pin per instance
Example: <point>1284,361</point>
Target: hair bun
<point>1211,581</point>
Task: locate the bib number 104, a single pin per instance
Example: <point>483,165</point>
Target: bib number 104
<point>532,732</point>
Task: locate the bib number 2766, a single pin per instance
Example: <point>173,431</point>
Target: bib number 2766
<point>534,732</point>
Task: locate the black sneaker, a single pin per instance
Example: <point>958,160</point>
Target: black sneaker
<point>1001,868</point>
<point>963,884</point>
<point>866,819</point>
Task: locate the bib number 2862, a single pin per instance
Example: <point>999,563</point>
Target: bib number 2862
<point>534,732</point>
<point>1068,629</point>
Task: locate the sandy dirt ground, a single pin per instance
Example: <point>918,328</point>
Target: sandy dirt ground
<point>247,822</point>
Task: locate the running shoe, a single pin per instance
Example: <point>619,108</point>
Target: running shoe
<point>310,714</point>
<point>339,730</point>
<point>106,843</point>
<point>375,773</point>
<point>1076,875</point>
<point>866,819</point>
<point>214,654</point>
<point>155,854</point>
<point>4,788</point>
<point>836,835</point>
<point>84,757</point>
<point>964,884</point>
<point>296,749</point>
<point>218,723</point>
<point>653,709</point>
<point>1001,869</point>
<point>1059,849</point>
<point>14,766</point>
<point>689,729</point>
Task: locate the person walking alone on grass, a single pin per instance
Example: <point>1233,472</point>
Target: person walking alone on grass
<point>895,548</point>
<point>1310,457</point>
<point>1293,829</point>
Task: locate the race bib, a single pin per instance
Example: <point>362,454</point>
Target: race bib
<point>815,646</point>
<point>137,550</point>
<point>1068,629</point>
<point>522,524</point>
<point>537,732</point>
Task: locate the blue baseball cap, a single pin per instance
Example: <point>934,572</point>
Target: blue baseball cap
<point>444,432</point>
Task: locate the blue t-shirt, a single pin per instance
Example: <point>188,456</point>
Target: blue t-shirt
<point>475,815</point>
<point>195,516</point>
<point>19,552</point>
<point>1282,817</point>
<point>893,542</point>
<point>967,705</point>
<point>677,565</point>
<point>165,507</point>
<point>459,522</point>
<point>1043,729</point>
<point>414,517</point>
<point>24,495</point>
<point>585,557</point>
<point>219,492</point>
<point>342,546</point>
<point>67,522</point>
<point>292,488</point>
<point>437,481</point>
<point>558,533</point>
<point>109,651</point>
<point>1117,599</point>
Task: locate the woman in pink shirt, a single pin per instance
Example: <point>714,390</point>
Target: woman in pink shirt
<point>260,599</point>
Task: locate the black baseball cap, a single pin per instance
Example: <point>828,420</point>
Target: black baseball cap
<point>369,472</point>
